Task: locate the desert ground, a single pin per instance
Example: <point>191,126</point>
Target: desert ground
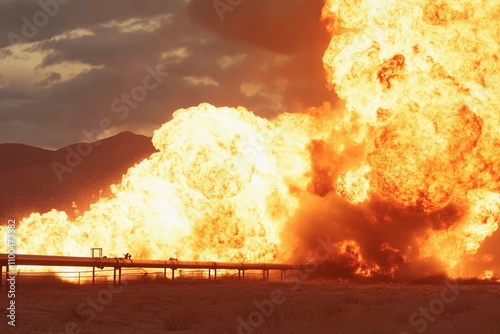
<point>232,306</point>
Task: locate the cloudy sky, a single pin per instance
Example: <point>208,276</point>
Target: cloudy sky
<point>67,65</point>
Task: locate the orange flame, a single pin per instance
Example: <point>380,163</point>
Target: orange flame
<point>423,78</point>
<point>214,191</point>
<point>419,138</point>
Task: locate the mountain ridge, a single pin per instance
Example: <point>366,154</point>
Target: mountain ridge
<point>34,179</point>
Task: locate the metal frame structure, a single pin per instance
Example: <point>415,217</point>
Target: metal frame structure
<point>118,263</point>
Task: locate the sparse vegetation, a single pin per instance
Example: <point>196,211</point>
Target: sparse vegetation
<point>189,306</point>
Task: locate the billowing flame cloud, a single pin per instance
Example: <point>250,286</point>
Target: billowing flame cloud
<point>214,191</point>
<point>421,79</point>
<point>402,180</point>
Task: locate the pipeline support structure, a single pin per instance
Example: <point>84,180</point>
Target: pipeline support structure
<point>117,263</point>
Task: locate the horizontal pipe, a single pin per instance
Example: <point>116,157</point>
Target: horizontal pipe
<point>72,261</point>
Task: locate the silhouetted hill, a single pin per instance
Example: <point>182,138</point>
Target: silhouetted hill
<point>38,180</point>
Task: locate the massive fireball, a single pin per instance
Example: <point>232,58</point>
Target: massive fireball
<point>403,179</point>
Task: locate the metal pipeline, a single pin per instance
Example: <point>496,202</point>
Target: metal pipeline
<point>101,262</point>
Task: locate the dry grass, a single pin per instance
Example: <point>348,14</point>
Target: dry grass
<point>214,307</point>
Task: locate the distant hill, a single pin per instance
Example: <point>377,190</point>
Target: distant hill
<point>38,180</point>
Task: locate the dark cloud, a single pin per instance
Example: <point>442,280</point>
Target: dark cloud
<point>13,93</point>
<point>284,26</point>
<point>290,27</point>
<point>49,80</point>
<point>74,14</point>
<point>274,46</point>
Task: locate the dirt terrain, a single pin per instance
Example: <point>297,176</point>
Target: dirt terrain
<point>229,306</point>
